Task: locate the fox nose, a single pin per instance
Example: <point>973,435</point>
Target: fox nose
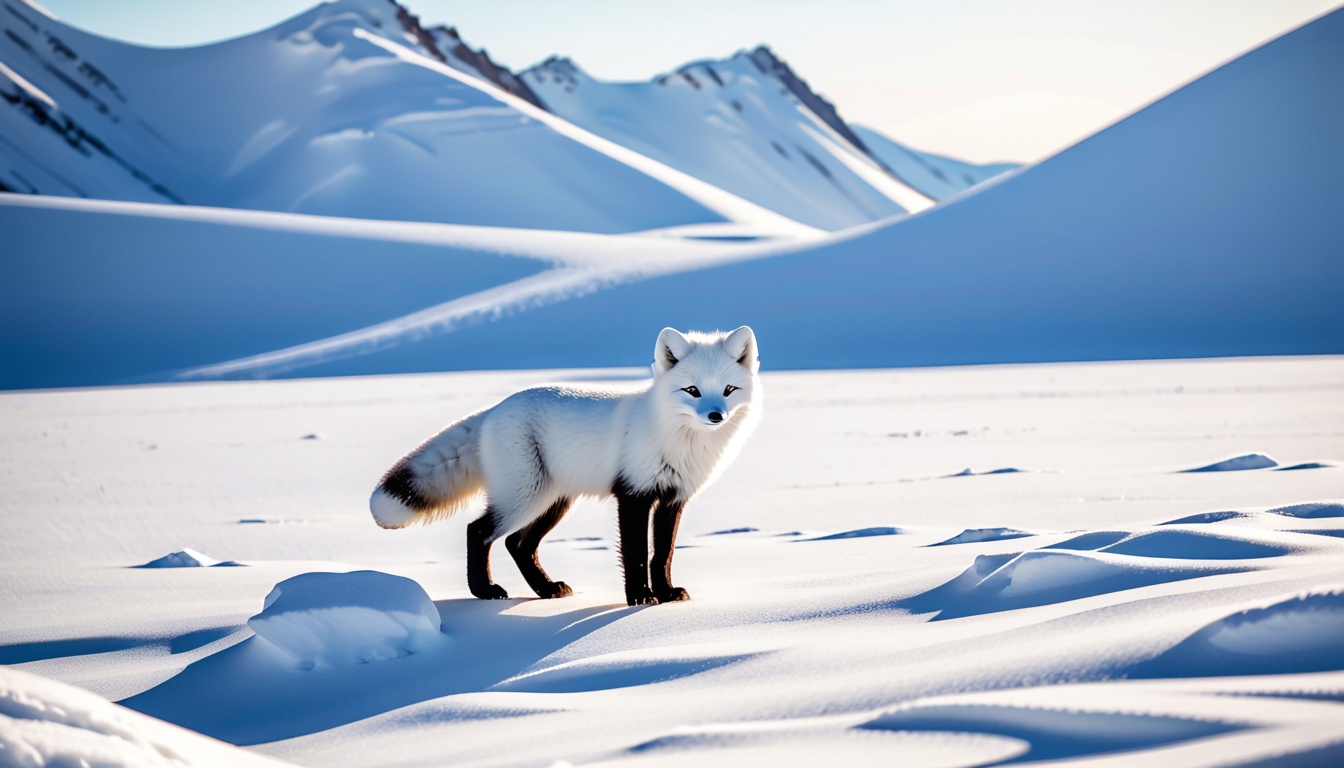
<point>715,417</point>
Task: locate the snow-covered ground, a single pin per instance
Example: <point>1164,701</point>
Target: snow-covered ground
<point>1099,600</point>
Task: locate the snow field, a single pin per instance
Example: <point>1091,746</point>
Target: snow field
<point>1111,604</point>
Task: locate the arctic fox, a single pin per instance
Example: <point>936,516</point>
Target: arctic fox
<point>654,447</point>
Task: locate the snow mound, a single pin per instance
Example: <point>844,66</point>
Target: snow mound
<point>1238,464</point>
<point>47,723</point>
<point>325,620</point>
<point>1311,511</point>
<point>1294,635</point>
<point>731,531</point>
<point>859,533</point>
<point>975,535</point>
<point>1306,465</point>
<point>968,472</point>
<point>187,558</point>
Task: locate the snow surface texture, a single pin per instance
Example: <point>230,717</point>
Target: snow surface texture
<point>324,620</point>
<point>1152,618</point>
<point>1103,251</point>
<point>341,111</point>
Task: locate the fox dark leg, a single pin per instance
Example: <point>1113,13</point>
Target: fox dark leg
<point>481,533</point>
<point>666,518</point>
<point>632,513</point>
<point>523,546</point>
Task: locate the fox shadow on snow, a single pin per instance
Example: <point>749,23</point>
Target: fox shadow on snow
<point>253,692</point>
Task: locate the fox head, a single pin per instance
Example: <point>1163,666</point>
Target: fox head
<point>707,379</point>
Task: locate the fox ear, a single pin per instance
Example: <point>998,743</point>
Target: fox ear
<point>741,346</point>
<point>671,347</point>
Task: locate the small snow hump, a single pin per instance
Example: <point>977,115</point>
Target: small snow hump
<point>324,620</point>
<point>859,533</point>
<point>980,535</point>
<point>1238,463</point>
<point>187,558</point>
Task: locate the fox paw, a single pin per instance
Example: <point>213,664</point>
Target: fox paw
<point>646,599</point>
<point>674,595</point>
<point>490,592</point>
<point>554,590</point>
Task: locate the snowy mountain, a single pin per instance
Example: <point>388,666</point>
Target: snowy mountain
<point>933,175</point>
<point>746,124</point>
<point>354,108</point>
<point>1173,233</point>
<point>349,109</point>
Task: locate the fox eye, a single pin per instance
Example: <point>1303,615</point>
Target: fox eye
<point>730,389</point>
<point>692,391</point>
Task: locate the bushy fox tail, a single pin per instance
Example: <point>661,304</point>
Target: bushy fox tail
<point>434,480</point>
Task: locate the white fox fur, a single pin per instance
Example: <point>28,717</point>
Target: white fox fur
<point>560,442</point>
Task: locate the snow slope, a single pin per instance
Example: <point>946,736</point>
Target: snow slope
<point>936,176</point>
<point>746,124</point>
<point>1206,224</point>
<point>1109,634</point>
<point>343,110</point>
<point>98,292</point>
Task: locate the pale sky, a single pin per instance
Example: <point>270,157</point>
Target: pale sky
<point>983,80</point>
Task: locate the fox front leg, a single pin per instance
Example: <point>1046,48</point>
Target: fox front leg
<point>666,519</point>
<point>632,513</point>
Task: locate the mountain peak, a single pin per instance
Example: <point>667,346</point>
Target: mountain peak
<point>770,64</point>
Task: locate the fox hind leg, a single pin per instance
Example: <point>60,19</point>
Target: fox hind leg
<point>523,544</point>
<point>481,533</point>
